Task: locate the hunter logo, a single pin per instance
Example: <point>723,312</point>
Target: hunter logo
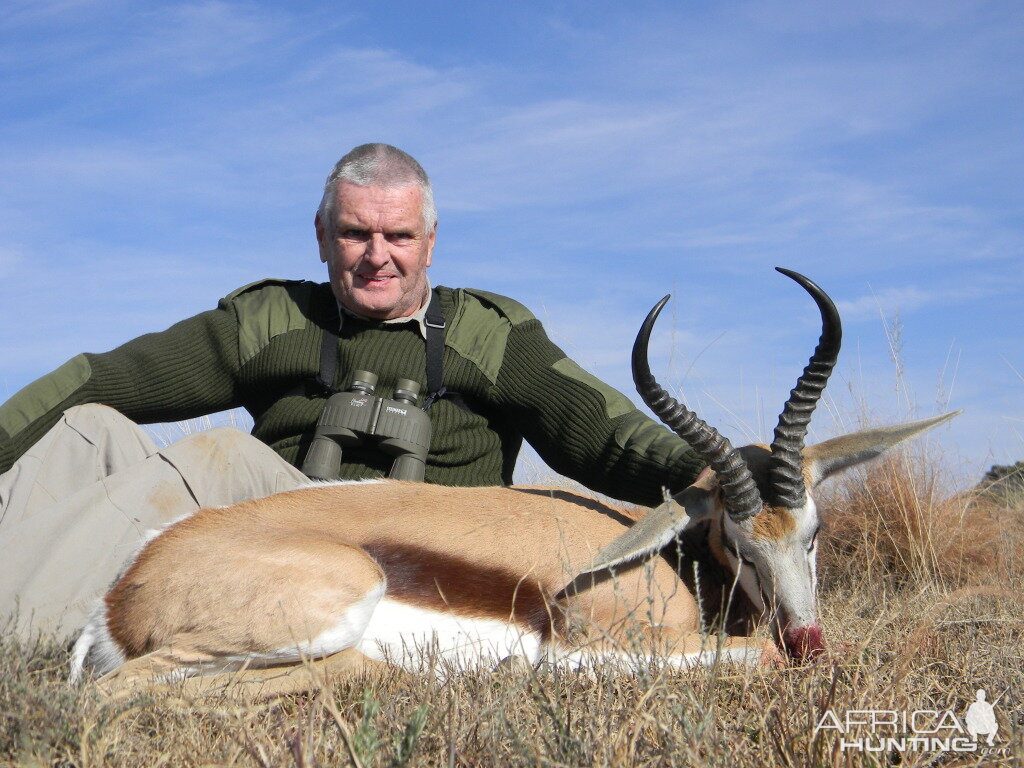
<point>921,730</point>
<point>981,719</point>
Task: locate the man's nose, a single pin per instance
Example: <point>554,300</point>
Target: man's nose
<point>377,250</point>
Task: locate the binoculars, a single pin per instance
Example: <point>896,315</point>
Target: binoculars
<point>395,426</point>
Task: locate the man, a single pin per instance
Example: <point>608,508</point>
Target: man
<point>82,482</point>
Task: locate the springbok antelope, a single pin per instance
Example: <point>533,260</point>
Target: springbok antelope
<point>387,569</point>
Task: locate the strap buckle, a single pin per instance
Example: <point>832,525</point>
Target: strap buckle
<point>434,397</point>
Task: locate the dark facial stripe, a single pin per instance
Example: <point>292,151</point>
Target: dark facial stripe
<point>443,582</point>
<point>732,547</point>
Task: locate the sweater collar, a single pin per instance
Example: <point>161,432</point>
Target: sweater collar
<point>419,316</point>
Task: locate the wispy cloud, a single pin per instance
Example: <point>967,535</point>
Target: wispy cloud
<point>894,301</point>
<point>586,161</point>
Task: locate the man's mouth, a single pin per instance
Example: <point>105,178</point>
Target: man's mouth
<point>375,279</point>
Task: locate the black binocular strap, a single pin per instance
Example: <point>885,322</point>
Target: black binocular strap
<point>436,389</point>
<point>434,321</point>
<point>435,325</point>
<point>328,361</point>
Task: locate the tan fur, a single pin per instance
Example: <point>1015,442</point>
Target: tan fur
<point>773,523</point>
<point>286,577</point>
<point>267,573</point>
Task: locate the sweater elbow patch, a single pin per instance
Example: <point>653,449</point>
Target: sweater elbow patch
<point>615,403</point>
<point>640,435</point>
<point>43,395</point>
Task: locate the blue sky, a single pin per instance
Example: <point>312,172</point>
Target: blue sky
<point>586,159</point>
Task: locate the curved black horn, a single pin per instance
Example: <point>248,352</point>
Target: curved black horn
<point>738,489</point>
<point>785,470</point>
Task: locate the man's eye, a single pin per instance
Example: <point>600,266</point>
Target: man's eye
<point>400,237</point>
<point>354,234</point>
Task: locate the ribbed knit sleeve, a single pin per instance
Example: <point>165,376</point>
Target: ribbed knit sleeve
<point>188,370</point>
<point>584,429</point>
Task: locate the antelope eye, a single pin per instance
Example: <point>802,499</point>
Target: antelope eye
<point>814,539</point>
<point>744,560</point>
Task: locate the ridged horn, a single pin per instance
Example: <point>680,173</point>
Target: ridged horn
<point>739,492</point>
<point>785,469</point>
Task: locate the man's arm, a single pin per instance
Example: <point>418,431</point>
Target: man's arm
<point>188,370</point>
<point>585,429</point>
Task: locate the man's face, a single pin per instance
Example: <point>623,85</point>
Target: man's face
<point>376,250</point>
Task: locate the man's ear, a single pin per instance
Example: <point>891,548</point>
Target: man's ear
<point>319,226</point>
<point>832,456</point>
<point>431,239</point>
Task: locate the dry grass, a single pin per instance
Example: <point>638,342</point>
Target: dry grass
<point>896,519</point>
<point>922,599</point>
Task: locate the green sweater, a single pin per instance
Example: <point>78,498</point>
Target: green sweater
<point>262,344</point>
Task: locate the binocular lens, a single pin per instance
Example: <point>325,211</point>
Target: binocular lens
<point>364,381</point>
<point>407,391</point>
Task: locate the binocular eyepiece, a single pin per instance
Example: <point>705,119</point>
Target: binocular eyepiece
<point>395,426</point>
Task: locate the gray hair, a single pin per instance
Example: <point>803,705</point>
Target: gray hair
<point>378,165</point>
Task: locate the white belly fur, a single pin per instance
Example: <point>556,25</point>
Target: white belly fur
<point>417,638</point>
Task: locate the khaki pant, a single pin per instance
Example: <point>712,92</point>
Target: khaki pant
<point>79,503</point>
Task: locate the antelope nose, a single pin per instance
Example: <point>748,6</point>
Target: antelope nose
<point>803,644</point>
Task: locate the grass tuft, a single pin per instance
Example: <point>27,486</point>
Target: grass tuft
<point>895,520</point>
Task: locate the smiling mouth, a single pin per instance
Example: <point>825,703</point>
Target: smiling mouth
<point>375,279</point>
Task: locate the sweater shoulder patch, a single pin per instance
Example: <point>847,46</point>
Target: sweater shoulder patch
<point>255,286</point>
<point>511,309</point>
<point>479,332</point>
<point>266,309</point>
<point>43,395</point>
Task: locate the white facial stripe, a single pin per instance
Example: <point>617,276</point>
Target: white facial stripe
<point>783,575</point>
<point>814,572</point>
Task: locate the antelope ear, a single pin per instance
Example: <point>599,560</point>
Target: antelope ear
<point>658,527</point>
<point>825,459</point>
